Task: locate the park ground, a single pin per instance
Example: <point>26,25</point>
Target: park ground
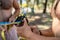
<point>42,21</point>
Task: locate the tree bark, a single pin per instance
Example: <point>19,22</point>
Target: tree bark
<point>45,6</point>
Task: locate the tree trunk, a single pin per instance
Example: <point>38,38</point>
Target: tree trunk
<point>33,7</point>
<point>20,2</point>
<point>37,2</point>
<point>45,6</point>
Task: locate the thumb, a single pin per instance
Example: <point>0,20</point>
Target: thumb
<point>25,23</point>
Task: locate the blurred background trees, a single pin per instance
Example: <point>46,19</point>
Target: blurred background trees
<point>37,4</point>
<point>36,9</point>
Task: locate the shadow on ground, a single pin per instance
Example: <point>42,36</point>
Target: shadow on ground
<point>44,19</point>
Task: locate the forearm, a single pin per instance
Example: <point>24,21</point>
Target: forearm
<point>47,32</point>
<point>16,13</point>
<point>37,37</point>
<point>16,7</point>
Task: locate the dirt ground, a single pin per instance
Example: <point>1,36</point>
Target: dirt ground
<point>42,21</point>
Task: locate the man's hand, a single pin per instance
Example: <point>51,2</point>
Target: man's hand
<point>25,30</point>
<point>12,19</point>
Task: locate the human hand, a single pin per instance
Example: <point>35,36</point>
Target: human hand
<point>12,19</point>
<point>25,30</point>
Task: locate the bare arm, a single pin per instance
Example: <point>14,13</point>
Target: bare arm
<point>53,10</point>
<point>17,8</point>
<point>26,32</point>
<point>37,37</point>
<point>47,32</point>
<point>17,11</point>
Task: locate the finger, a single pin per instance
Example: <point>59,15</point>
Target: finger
<point>25,23</point>
<point>20,30</point>
<point>10,20</point>
<point>33,27</point>
<point>13,20</point>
